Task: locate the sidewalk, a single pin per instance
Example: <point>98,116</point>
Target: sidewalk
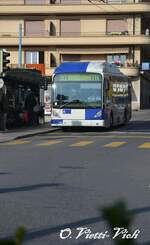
<point>141,115</point>
<point>25,132</point>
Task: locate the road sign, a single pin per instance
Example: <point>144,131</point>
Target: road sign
<point>145,66</point>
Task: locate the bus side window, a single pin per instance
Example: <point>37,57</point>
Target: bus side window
<point>129,91</point>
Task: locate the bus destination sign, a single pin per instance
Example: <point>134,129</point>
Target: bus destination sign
<point>78,77</point>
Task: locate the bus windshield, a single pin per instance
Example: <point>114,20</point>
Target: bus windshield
<point>80,90</point>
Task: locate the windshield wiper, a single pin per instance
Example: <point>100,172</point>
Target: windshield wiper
<point>70,102</point>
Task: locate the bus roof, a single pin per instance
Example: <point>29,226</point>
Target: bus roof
<point>82,67</point>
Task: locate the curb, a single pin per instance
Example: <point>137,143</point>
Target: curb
<point>23,136</point>
<point>36,133</point>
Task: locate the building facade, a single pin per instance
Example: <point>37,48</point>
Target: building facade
<point>53,31</point>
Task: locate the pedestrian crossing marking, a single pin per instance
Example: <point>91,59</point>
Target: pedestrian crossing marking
<point>126,136</point>
<point>144,146</point>
<point>115,144</point>
<point>81,143</point>
<point>16,142</point>
<point>49,142</point>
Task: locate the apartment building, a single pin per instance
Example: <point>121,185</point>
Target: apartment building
<point>80,30</point>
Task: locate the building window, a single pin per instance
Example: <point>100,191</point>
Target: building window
<point>70,28</point>
<point>70,57</point>
<point>116,1</point>
<point>117,26</point>
<point>34,2</point>
<point>34,28</point>
<point>34,57</point>
<point>118,59</point>
<point>65,1</point>
<point>53,62</point>
<point>83,57</point>
<point>70,1</point>
<point>52,29</point>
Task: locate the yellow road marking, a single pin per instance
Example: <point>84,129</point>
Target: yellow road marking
<point>81,143</point>
<point>115,144</point>
<point>127,136</point>
<point>16,142</point>
<point>144,146</point>
<point>102,136</point>
<point>49,142</point>
<point>130,136</point>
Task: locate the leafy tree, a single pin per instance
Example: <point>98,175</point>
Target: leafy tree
<point>16,240</point>
<point>118,215</point>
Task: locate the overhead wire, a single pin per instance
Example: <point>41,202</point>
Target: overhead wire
<point>99,1</point>
<point>98,6</point>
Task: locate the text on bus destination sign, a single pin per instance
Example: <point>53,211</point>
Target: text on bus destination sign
<point>78,77</point>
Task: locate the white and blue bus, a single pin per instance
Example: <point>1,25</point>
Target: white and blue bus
<point>91,94</point>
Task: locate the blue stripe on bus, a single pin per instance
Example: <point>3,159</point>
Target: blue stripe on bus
<point>72,67</point>
<point>66,111</point>
<point>93,114</point>
<point>56,121</point>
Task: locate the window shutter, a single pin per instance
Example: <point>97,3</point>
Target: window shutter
<point>116,26</point>
<point>34,28</point>
<point>70,28</point>
<point>34,2</point>
<point>70,1</point>
<point>70,57</point>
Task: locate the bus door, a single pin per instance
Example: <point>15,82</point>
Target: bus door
<point>118,100</point>
<point>107,98</point>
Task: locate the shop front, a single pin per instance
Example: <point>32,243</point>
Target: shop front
<point>25,95</point>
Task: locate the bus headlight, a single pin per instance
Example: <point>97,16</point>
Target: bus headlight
<point>56,114</point>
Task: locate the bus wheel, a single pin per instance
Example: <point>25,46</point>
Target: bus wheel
<point>125,118</point>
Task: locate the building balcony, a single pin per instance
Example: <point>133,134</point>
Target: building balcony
<point>18,7</point>
<point>74,39</point>
<point>44,69</point>
<point>131,71</point>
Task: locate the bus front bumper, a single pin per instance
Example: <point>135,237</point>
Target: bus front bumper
<point>75,123</point>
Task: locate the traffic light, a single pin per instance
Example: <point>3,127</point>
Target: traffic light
<point>4,61</point>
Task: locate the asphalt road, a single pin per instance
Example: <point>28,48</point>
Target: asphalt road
<point>61,180</point>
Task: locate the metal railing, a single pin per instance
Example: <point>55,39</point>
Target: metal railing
<point>48,34</point>
<point>126,65</point>
<point>67,2</point>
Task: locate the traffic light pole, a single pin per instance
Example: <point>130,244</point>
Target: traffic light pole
<point>1,62</point>
<point>20,46</point>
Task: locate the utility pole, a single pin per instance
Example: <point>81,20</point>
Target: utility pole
<point>20,46</point>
